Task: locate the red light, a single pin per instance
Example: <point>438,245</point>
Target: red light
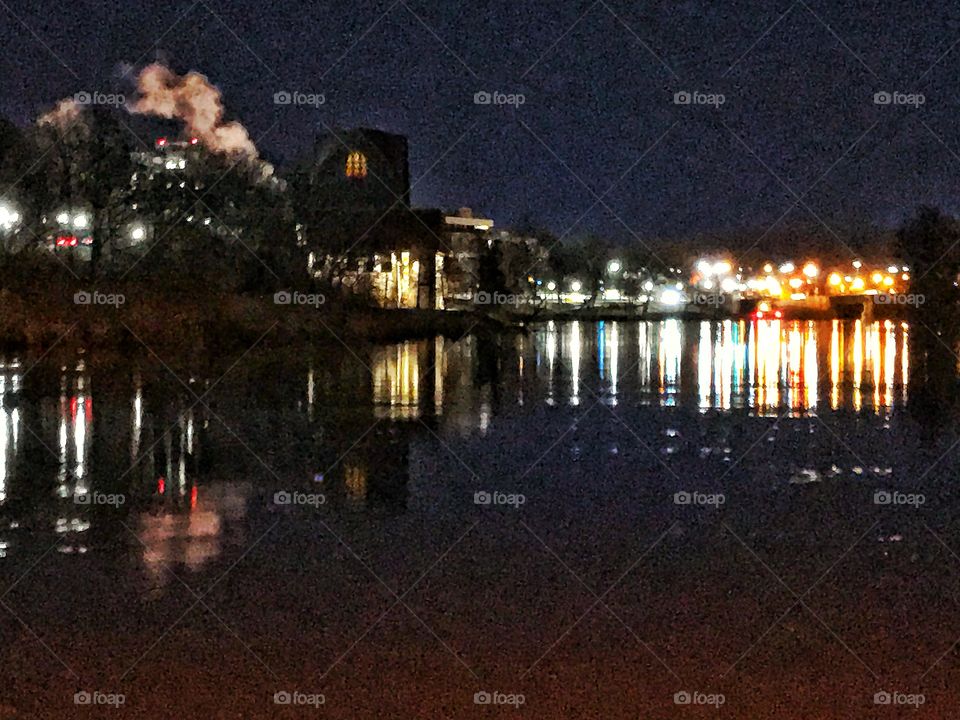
<point>161,142</point>
<point>193,496</point>
<point>194,141</point>
<point>161,484</point>
<point>66,241</point>
<point>73,242</point>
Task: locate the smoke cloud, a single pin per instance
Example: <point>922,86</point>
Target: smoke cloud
<point>194,100</point>
<point>63,115</point>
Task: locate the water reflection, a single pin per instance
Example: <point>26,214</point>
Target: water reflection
<point>770,367</point>
<point>190,473</point>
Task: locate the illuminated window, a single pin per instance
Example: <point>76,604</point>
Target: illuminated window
<point>356,165</point>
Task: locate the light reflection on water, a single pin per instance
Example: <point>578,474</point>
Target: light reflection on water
<point>768,366</point>
<point>186,475</point>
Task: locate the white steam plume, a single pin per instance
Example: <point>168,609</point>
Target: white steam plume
<point>192,99</point>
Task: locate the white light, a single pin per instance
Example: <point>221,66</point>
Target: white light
<point>787,267</point>
<point>80,221</point>
<point>707,284</point>
<point>722,267</point>
<point>857,264</point>
<point>63,218</point>
<point>576,285</point>
<point>551,286</point>
<point>671,297</point>
<point>893,269</point>
<point>704,268</point>
<point>138,233</point>
<point>648,285</point>
<point>728,285</point>
<point>8,217</point>
<point>614,266</point>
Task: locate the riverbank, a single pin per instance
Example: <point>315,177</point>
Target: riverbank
<point>849,309</point>
<point>210,324</point>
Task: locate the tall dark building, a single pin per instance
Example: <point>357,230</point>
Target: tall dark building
<point>350,188</point>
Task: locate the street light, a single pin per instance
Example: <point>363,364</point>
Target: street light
<point>614,266</point>
<point>8,217</point>
<point>576,285</point>
<point>138,233</point>
<point>787,267</point>
<point>811,270</point>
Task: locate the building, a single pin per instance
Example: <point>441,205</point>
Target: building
<point>352,195</point>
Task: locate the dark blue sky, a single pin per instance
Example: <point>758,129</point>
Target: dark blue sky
<point>599,80</point>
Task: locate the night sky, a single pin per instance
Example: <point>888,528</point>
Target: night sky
<point>799,119</point>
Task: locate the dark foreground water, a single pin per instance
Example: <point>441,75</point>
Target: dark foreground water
<point>617,520</point>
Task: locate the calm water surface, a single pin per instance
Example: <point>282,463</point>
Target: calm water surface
<point>200,539</point>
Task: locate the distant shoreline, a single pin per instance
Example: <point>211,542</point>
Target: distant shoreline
<point>216,325</point>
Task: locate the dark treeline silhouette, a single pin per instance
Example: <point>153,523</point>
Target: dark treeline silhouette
<point>928,243</point>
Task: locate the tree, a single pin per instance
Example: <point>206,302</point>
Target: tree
<point>84,161</point>
<point>930,244</point>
